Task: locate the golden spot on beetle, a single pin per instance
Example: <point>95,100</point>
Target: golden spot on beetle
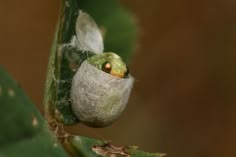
<point>120,75</point>
<point>108,66</point>
<point>109,150</point>
<point>34,121</point>
<point>11,92</point>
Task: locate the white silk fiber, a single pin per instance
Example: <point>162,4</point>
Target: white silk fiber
<point>99,98</point>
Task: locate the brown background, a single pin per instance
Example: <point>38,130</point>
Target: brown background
<point>183,102</point>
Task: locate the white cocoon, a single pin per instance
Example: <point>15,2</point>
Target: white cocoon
<point>99,98</point>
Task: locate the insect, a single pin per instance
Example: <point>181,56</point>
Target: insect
<point>101,84</point>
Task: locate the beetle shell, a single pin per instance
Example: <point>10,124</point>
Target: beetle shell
<point>99,98</point>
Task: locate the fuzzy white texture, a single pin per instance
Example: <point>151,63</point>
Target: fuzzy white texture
<point>99,98</point>
<point>88,36</point>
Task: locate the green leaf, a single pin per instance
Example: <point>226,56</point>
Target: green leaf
<point>24,132</point>
<point>88,147</point>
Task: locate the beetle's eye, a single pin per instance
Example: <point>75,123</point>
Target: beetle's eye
<point>106,67</point>
<point>127,72</point>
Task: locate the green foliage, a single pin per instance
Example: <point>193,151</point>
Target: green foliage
<point>24,132</point>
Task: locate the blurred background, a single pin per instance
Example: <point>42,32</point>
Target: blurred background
<point>184,99</point>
